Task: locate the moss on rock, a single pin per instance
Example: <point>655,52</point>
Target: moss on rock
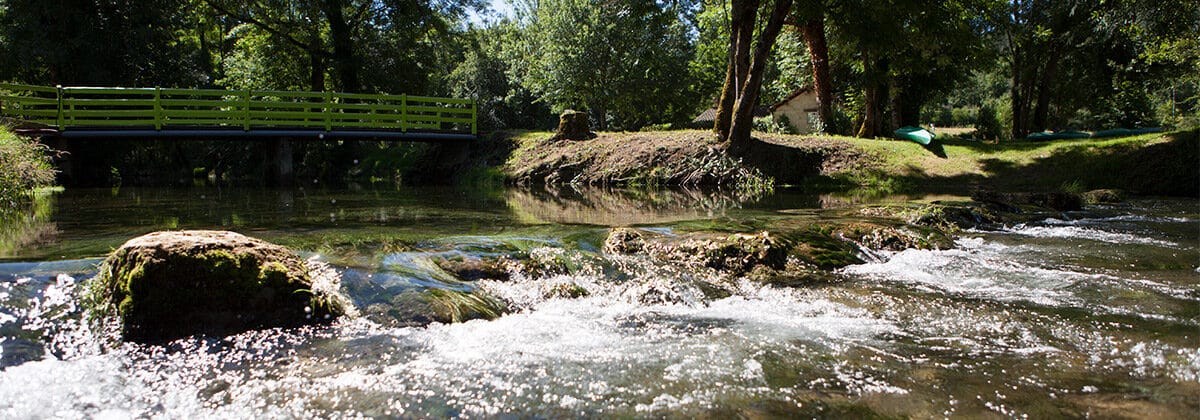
<point>1094,197</point>
<point>415,308</point>
<point>167,285</point>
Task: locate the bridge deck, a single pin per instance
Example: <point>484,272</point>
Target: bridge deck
<point>89,112</point>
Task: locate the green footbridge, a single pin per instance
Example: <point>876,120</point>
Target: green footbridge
<point>109,112</point>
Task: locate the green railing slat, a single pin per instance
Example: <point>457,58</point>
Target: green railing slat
<point>169,103</point>
<point>68,107</point>
<point>28,88</point>
<point>188,113</point>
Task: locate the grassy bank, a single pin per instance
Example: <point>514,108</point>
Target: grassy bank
<point>1152,164</point>
<point>24,166</point>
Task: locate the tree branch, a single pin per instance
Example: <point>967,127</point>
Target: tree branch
<point>306,46</point>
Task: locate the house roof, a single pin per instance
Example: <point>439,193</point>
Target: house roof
<point>710,115</point>
<point>789,98</point>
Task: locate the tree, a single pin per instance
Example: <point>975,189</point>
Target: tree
<point>624,61</point>
<point>902,60</point>
<point>744,73</point>
<point>810,17</point>
<point>82,42</point>
<point>484,75</point>
<point>366,43</point>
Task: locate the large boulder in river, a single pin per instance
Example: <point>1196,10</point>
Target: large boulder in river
<point>167,285</point>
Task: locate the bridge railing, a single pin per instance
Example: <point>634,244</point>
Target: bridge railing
<point>67,108</point>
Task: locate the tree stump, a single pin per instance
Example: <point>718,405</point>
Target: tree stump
<point>573,125</point>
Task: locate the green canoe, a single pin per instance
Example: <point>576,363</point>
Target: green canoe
<point>1057,135</point>
<point>917,134</point>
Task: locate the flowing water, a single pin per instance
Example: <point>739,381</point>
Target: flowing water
<point>1085,313</point>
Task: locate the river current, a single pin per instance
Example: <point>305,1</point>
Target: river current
<point>1089,313</point>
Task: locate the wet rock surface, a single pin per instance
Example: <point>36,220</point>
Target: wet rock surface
<point>1107,196</point>
<point>168,285</point>
<point>416,308</point>
<point>1055,200</point>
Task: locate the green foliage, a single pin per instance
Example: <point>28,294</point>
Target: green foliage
<point>624,61</point>
<point>84,42</point>
<point>769,124</point>
<point>988,125</point>
<point>24,166</point>
<point>484,75</point>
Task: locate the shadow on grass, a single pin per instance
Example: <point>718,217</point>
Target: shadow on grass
<point>936,148</point>
<point>1168,168</point>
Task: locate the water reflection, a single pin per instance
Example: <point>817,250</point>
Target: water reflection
<point>27,225</point>
<point>621,207</point>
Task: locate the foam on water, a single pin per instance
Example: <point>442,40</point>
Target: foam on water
<point>1127,218</point>
<point>977,268</point>
<point>1077,232</point>
<point>600,354</point>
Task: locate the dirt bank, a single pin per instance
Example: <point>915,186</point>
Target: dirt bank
<point>690,157</point>
<point>1154,164</point>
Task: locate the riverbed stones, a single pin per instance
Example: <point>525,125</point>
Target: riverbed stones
<point>624,241</point>
<point>167,285</point>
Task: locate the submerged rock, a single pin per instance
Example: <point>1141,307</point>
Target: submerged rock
<point>422,307</point>
<point>1057,200</point>
<point>1103,196</point>
<point>877,237</point>
<point>624,241</point>
<point>740,253</point>
<point>474,269</point>
<point>952,217</point>
<point>167,285</point>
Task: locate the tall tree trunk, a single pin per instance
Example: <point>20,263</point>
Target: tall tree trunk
<point>343,46</point>
<point>875,95</point>
<point>316,68</point>
<point>601,115</point>
<point>742,16</point>
<point>1041,111</point>
<point>870,120</point>
<point>896,102</point>
<point>1018,129</point>
<point>818,52</point>
<point>743,119</point>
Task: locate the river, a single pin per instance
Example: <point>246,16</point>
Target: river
<point>1089,313</point>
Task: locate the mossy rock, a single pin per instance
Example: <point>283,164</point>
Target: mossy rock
<point>168,285</point>
<point>1094,197</point>
<point>1053,200</point>
<point>878,237</point>
<point>474,269</point>
<point>416,308</point>
<point>955,217</point>
<point>817,246</point>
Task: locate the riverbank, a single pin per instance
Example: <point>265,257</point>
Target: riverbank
<point>1152,164</point>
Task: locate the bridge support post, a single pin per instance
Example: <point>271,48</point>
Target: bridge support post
<point>280,165</point>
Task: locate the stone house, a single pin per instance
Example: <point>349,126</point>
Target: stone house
<point>800,110</point>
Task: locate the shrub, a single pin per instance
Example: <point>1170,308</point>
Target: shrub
<point>988,125</point>
<point>24,165</point>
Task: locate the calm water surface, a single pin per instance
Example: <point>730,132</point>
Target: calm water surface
<point>1084,313</point>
